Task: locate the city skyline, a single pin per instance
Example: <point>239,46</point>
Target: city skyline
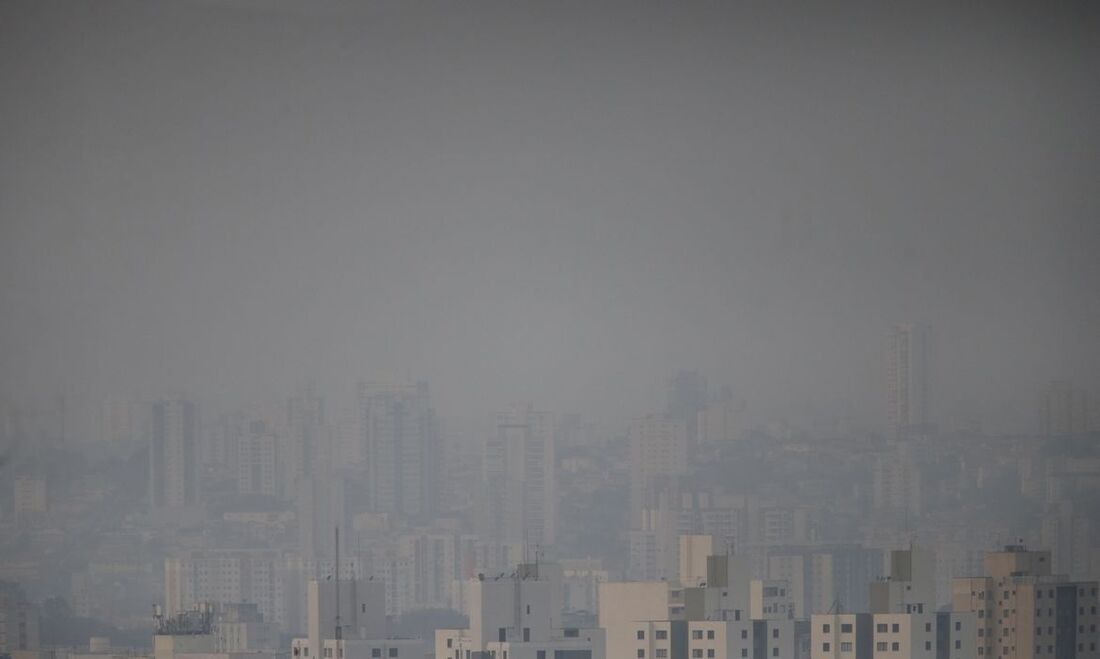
<point>586,329</point>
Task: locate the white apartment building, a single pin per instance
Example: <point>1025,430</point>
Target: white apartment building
<point>357,606</point>
<point>518,615</point>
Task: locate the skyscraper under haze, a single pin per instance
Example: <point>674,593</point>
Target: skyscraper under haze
<point>908,374</point>
<point>305,449</point>
<point>658,457</point>
<point>173,455</point>
<point>687,396</point>
<point>519,478</point>
<point>399,435</point>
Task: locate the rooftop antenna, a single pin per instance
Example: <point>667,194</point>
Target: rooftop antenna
<point>339,631</point>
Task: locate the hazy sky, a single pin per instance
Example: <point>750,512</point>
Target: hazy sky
<point>558,202</point>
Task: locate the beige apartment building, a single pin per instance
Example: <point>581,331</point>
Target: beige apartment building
<point>1024,612</point>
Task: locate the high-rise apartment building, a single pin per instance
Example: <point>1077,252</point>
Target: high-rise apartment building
<point>306,450</point>
<point>432,557</point>
<point>825,578</point>
<point>658,458</point>
<point>896,481</point>
<point>842,636</point>
<point>257,463</point>
<point>704,613</point>
<point>225,576</point>
<point>1074,545</point>
<point>520,480</point>
<point>401,448</point>
<point>908,380</point>
<point>173,455</point>
<point>322,508</point>
<point>687,396</point>
<point>1024,611</point>
<point>924,635</point>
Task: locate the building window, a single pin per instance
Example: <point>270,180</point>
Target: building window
<point>541,654</point>
<point>660,653</point>
<point>846,646</point>
<point>825,647</point>
<point>881,628</point>
<point>662,634</point>
<point>895,646</point>
<point>641,653</point>
<point>895,628</point>
<point>393,652</point>
<point>744,652</point>
<point>825,628</point>
<point>697,653</point>
<point>927,626</point>
<point>450,642</point>
<point>710,653</point>
<point>846,628</point>
<point>710,633</point>
<point>641,635</point>
<point>377,652</point>
<point>928,645</point>
<point>526,634</point>
<point>745,633</point>
<point>697,634</point>
<point>882,646</point>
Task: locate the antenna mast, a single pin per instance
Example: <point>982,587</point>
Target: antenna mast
<point>339,631</point>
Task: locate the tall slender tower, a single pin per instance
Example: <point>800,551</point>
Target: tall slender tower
<point>908,374</point>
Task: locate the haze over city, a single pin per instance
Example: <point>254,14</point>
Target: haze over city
<point>617,288</point>
<point>562,203</point>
